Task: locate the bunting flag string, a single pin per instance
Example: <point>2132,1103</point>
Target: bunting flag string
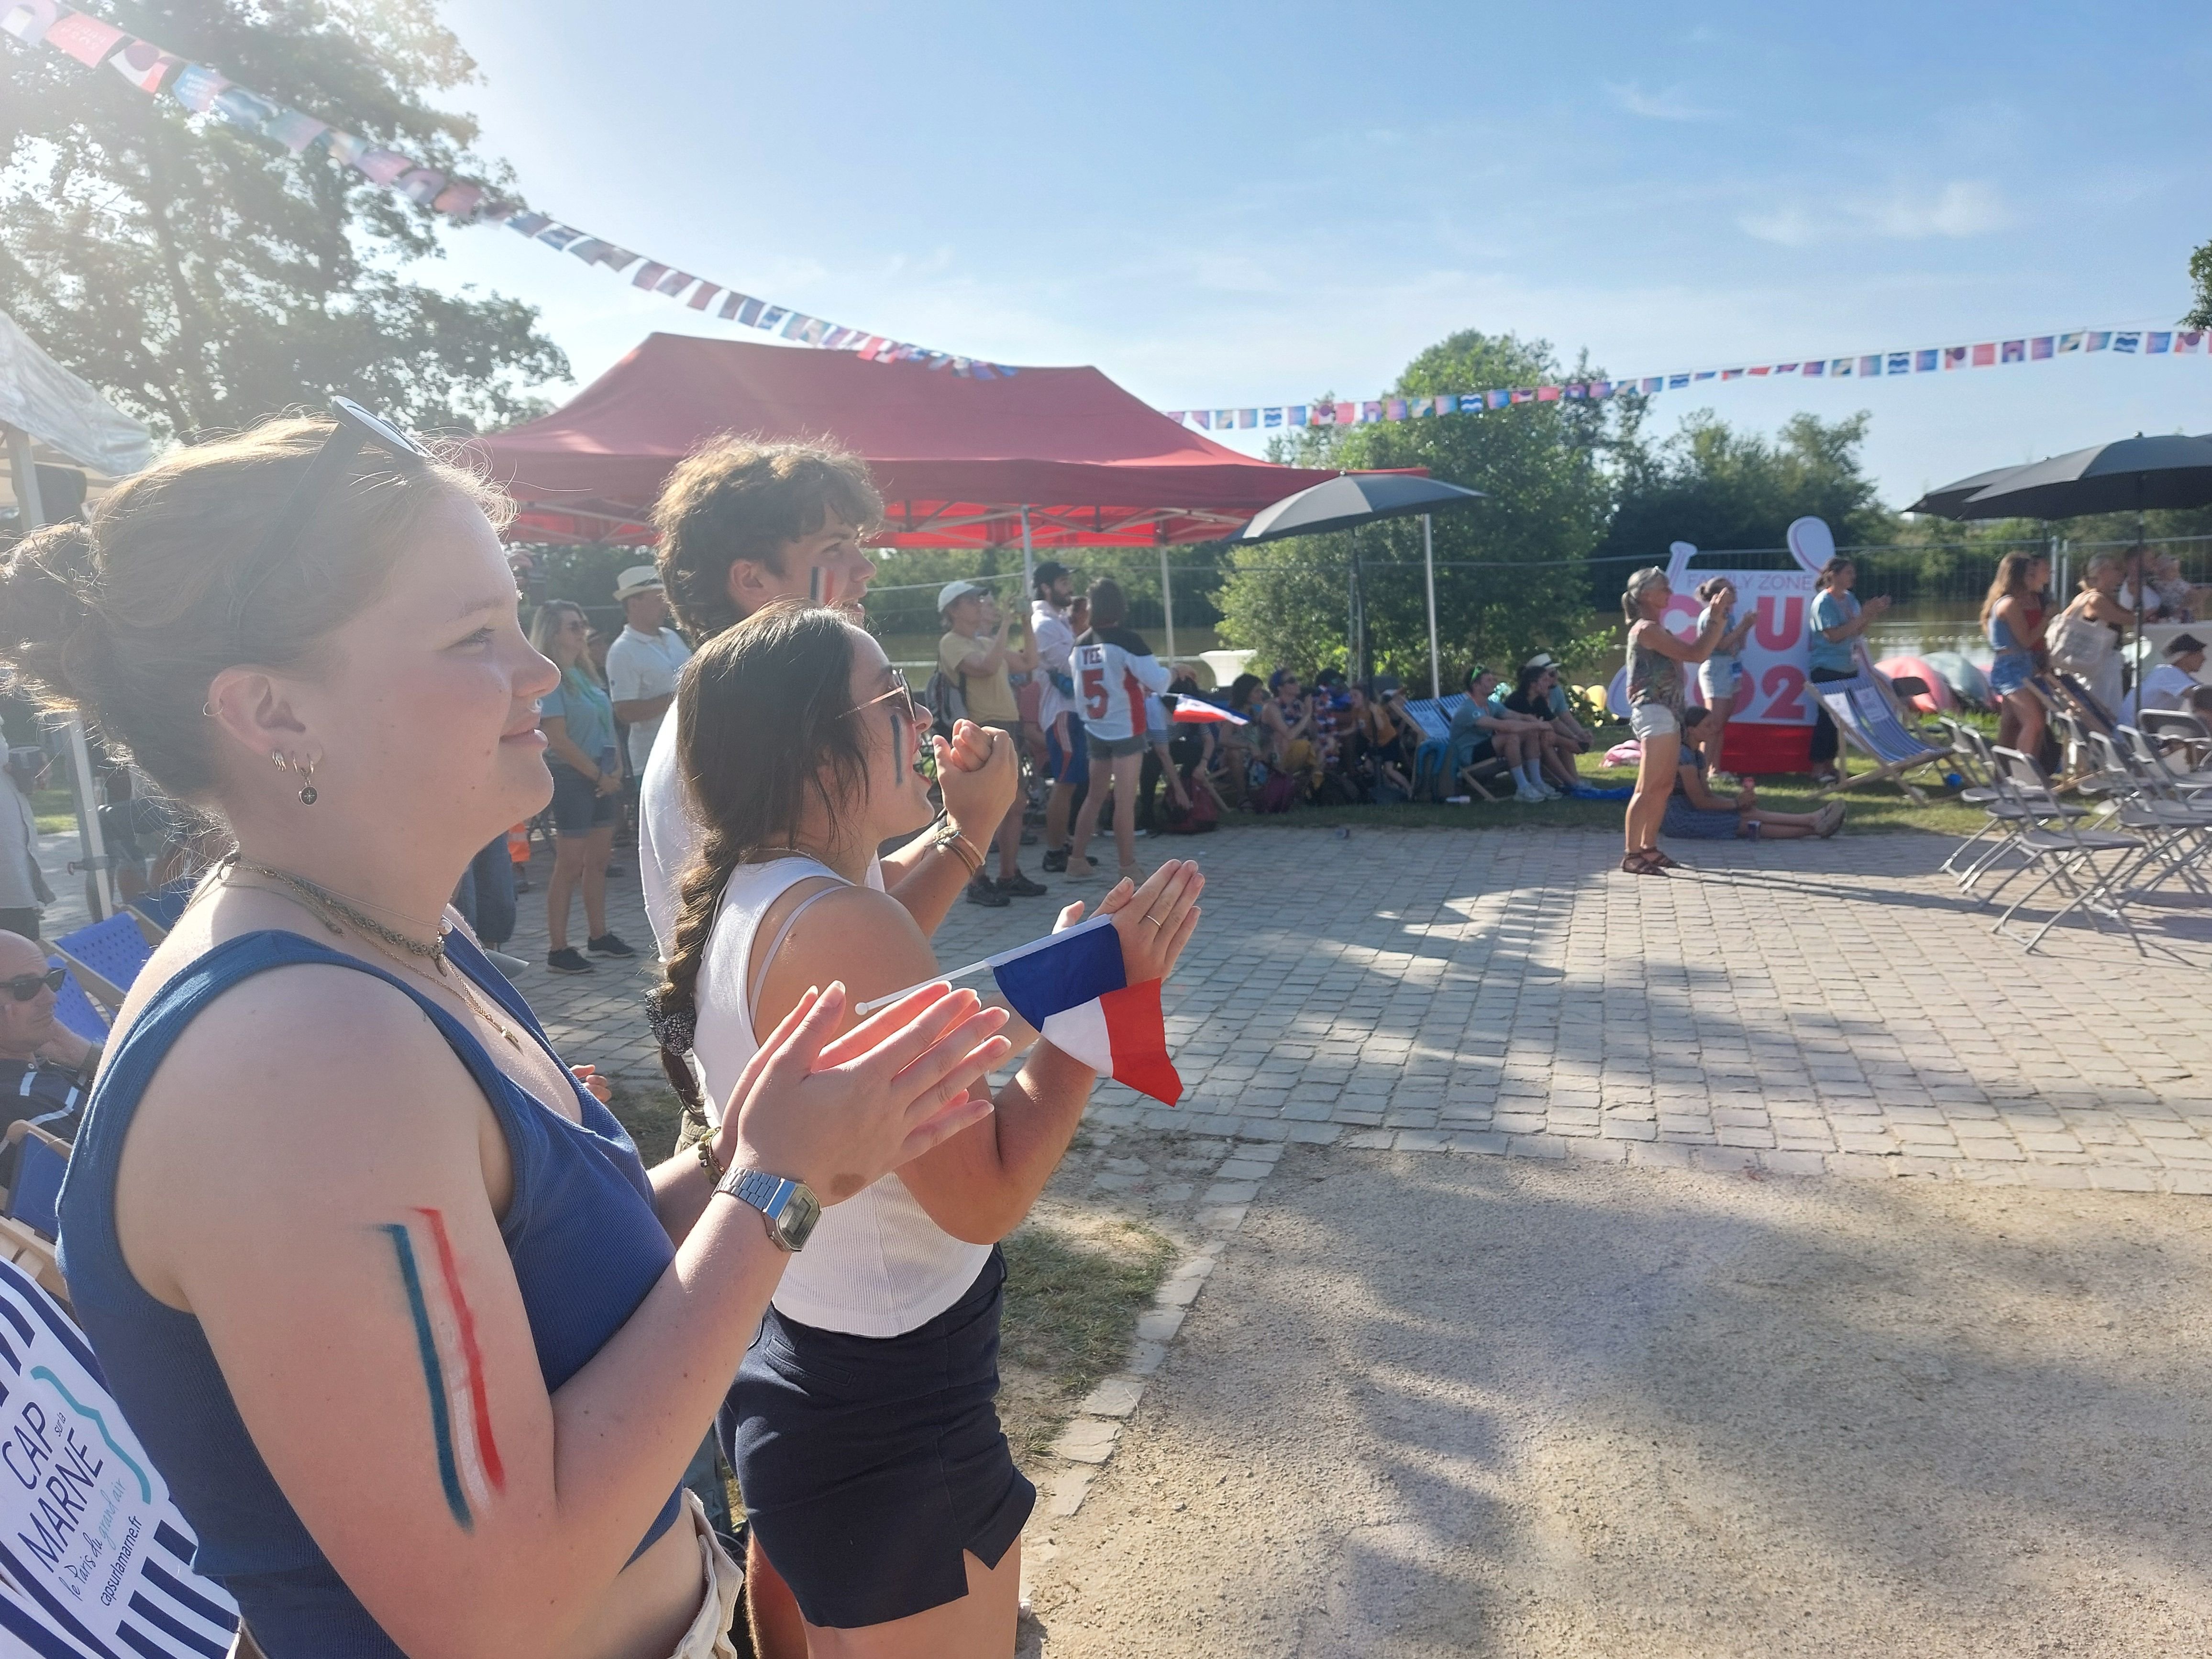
<point>1865,366</point>
<point>205,91</point>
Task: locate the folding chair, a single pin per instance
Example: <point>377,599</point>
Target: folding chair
<point>158,908</point>
<point>105,957</point>
<point>2175,828</point>
<point>2155,764</point>
<point>1969,752</point>
<point>1869,717</point>
<point>64,1595</point>
<point>2066,855</point>
<point>2168,726</point>
<point>74,1009</point>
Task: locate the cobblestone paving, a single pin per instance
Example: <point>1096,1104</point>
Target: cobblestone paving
<point>1825,1007</point>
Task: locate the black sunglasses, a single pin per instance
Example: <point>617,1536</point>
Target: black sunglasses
<point>355,428</point>
<point>24,986</point>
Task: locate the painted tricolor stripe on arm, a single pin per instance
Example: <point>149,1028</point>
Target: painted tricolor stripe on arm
<point>1122,1034</point>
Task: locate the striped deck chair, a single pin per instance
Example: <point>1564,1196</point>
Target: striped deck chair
<point>109,1575</point>
<point>1433,715</point>
<point>1866,715</point>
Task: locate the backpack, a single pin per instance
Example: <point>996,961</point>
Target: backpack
<point>1201,816</point>
<point>1279,794</point>
<point>945,701</point>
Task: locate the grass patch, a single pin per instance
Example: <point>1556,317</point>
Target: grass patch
<point>55,810</point>
<point>1874,809</point>
<point>651,1112</point>
<point>1076,1282</point>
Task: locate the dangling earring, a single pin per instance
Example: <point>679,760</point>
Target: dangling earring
<point>306,783</point>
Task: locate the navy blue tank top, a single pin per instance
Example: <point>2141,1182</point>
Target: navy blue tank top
<point>581,1233</point>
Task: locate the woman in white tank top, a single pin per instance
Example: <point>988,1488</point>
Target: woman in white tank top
<point>878,1485</point>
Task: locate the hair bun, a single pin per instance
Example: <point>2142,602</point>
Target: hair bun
<point>45,581</point>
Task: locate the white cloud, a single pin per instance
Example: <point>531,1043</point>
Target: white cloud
<point>1669,104</point>
<point>1963,208</point>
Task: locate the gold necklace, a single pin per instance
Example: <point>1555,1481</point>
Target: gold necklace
<point>322,902</point>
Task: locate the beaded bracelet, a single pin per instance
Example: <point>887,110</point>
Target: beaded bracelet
<point>956,843</point>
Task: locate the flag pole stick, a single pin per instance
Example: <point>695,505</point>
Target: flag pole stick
<point>874,1003</point>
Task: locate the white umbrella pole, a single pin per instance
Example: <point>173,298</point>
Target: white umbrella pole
<point>1429,560</point>
<point>30,513</point>
<point>1167,599</point>
<point>1029,560</point>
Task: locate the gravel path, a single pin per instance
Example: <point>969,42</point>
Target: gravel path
<point>1437,1404</point>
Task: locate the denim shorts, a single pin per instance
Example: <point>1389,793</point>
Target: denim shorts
<point>1652,719</point>
<point>578,808</point>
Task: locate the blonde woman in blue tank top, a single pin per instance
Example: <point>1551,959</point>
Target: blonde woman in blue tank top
<point>420,1344</point>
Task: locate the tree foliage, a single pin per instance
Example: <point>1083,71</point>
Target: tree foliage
<point>1543,468</point>
<point>204,278</point>
<point>2200,277</point>
<point>1715,487</point>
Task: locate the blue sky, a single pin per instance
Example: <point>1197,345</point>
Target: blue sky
<point>1237,203</point>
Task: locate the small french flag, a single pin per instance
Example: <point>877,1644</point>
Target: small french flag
<point>1070,987</point>
<point>1196,711</point>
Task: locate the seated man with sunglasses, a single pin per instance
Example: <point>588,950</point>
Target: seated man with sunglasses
<point>45,1068</point>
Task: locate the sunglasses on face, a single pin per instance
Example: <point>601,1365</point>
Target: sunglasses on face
<point>901,690</point>
<point>24,986</point>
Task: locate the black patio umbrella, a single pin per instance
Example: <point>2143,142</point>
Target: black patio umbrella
<point>1946,502</point>
<point>1355,499</point>
<point>2132,475</point>
<point>1359,498</point>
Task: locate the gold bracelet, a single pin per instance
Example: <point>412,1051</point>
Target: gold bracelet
<point>956,843</point>
<point>705,1147</point>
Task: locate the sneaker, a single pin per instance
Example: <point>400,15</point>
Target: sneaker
<point>1020,886</point>
<point>611,944</point>
<point>982,890</point>
<point>1528,796</point>
<point>1056,861</point>
<point>567,960</point>
<point>1551,791</point>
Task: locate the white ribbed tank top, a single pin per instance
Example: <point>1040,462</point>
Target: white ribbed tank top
<point>877,1264</point>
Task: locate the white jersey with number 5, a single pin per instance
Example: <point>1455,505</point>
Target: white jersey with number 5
<point>1113,670</point>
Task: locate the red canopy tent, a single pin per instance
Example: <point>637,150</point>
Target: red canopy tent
<point>959,461</point>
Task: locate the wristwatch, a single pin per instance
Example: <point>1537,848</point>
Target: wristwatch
<point>789,1207</point>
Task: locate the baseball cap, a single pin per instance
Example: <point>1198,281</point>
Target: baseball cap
<point>2182,644</point>
<point>952,591</point>
<point>638,579</point>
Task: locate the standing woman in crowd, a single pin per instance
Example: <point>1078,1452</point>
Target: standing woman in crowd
<point>2012,616</point>
<point>578,719</point>
<point>420,1346</point>
<point>1721,674</point>
<point>1656,657</point>
<point>876,1478</point>
<point>1836,618</point>
<point>2084,639</point>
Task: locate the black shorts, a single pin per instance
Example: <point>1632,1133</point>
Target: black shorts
<point>871,1465</point>
<point>578,808</point>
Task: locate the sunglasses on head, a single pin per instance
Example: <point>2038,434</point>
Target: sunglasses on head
<point>355,429</point>
<point>24,986</point>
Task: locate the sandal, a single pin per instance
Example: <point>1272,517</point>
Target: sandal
<point>1643,863</point>
<point>1663,860</point>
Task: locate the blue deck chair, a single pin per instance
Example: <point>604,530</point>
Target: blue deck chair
<point>143,1600</point>
<point>1866,715</point>
<point>158,908</point>
<point>1433,715</point>
<point>105,957</point>
<point>74,1009</point>
<point>41,1161</point>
